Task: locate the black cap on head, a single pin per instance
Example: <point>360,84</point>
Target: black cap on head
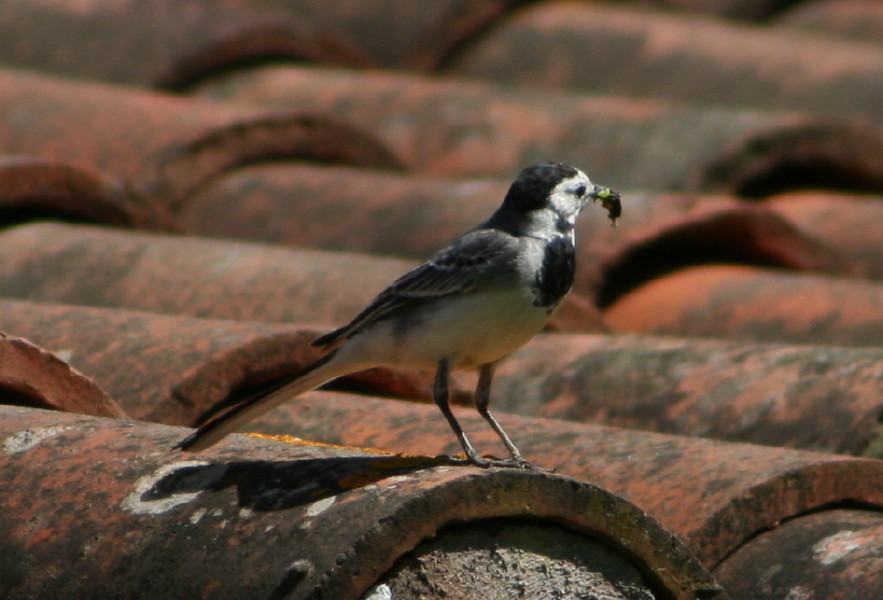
<point>533,185</point>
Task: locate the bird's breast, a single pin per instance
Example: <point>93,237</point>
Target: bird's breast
<point>548,270</point>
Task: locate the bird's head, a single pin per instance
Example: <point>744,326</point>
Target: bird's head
<point>560,189</point>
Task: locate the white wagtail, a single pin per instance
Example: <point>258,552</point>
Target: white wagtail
<point>469,306</point>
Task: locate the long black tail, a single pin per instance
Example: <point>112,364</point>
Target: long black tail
<point>214,430</point>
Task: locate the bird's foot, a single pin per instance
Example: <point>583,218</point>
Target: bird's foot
<point>503,463</point>
<point>516,462</point>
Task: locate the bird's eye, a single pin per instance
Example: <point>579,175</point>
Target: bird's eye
<point>580,190</point>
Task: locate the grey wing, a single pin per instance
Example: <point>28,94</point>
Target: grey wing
<point>455,270</point>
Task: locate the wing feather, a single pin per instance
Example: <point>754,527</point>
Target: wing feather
<point>455,270</point>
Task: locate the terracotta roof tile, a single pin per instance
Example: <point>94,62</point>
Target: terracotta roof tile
<point>94,266</point>
<point>819,398</point>
<point>860,20</point>
<point>419,37</point>
<point>163,146</point>
<point>455,128</point>
<point>164,45</point>
<point>834,554</point>
<point>754,304</point>
<point>616,49</point>
<point>343,208</point>
<point>163,525</point>
<point>32,376</point>
<point>158,367</point>
<point>174,327</point>
<point>205,278</point>
<point>33,188</point>
<point>850,224</point>
<point>669,232</point>
<point>715,495</point>
<point>412,216</point>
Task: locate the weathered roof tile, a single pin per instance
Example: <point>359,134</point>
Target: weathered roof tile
<point>715,495</point>
<point>822,398</point>
<point>33,376</point>
<point>412,216</point>
<point>298,520</point>
<point>157,367</point>
<point>835,554</point>
<point>613,48</point>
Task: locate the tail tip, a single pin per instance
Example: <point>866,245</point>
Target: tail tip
<point>190,443</point>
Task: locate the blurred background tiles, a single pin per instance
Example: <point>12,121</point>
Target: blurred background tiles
<point>191,191</point>
<point>614,48</point>
<point>33,188</point>
<point>860,20</point>
<point>451,127</point>
<point>162,146</point>
<point>160,43</point>
<point>848,223</point>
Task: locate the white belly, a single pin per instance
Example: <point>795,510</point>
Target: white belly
<point>472,330</point>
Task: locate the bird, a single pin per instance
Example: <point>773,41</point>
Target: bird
<point>468,306</point>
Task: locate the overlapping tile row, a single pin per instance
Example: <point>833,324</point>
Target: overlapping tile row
<point>664,237</point>
<point>178,44</point>
<point>814,397</point>
<point>243,522</point>
<point>171,369</point>
<point>451,127</point>
<point>175,48</point>
<point>161,146</point>
<point>716,495</point>
<point>92,266</point>
<point>160,367</point>
<point>327,207</point>
<point>616,49</point>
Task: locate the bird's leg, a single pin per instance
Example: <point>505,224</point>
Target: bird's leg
<point>482,403</point>
<point>440,393</point>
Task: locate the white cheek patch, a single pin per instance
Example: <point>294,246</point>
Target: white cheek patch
<point>564,199</point>
<point>567,204</point>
